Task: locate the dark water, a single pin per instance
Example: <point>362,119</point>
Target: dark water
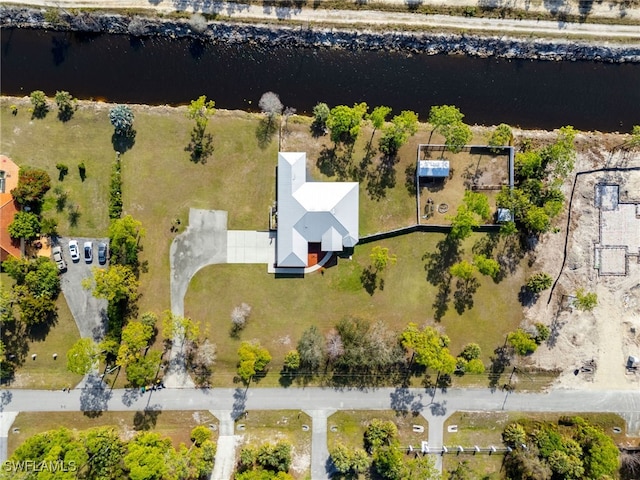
<point>530,94</point>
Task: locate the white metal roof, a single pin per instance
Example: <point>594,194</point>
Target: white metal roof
<point>322,212</point>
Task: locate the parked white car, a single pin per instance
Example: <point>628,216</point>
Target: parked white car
<point>74,250</point>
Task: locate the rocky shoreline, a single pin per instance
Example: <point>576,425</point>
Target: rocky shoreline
<point>308,37</point>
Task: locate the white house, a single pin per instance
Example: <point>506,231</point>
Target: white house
<point>312,212</point>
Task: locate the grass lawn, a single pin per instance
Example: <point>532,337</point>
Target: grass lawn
<point>348,427</point>
<point>292,426</point>
<point>282,308</point>
<point>174,424</point>
<point>160,184</point>
<point>485,429</point>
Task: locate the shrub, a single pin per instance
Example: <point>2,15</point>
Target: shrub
<point>121,118</point>
<point>39,102</point>
<point>585,301</point>
<point>542,333</point>
<point>522,342</point>
<point>115,191</point>
<point>539,282</point>
<point>62,171</point>
<point>379,433</point>
<point>66,104</point>
<point>198,23</point>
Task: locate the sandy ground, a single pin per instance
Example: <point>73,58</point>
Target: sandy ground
<point>611,332</point>
<point>361,18</point>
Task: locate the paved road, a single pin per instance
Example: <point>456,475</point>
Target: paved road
<point>316,398</point>
<point>363,18</point>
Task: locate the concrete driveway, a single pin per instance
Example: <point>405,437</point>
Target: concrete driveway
<point>89,312</point>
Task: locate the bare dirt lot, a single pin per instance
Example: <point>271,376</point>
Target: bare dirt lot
<point>611,332</point>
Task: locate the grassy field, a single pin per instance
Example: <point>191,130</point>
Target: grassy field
<point>348,427</point>
<point>173,424</point>
<point>293,426</point>
<point>485,429</point>
<point>160,184</point>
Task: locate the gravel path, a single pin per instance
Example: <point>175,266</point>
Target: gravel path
<point>395,20</point>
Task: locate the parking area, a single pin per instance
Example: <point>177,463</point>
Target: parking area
<point>89,312</point>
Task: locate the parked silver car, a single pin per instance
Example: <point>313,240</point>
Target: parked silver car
<point>57,257</point>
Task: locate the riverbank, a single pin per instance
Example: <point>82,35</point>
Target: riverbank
<point>312,36</point>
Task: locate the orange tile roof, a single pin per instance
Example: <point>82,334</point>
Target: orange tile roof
<point>8,208</point>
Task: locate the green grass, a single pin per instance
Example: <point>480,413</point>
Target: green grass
<point>485,429</point>
<point>174,424</point>
<point>160,184</point>
<point>350,425</point>
<point>261,426</point>
<point>282,308</point>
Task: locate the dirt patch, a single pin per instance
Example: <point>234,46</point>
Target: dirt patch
<point>590,348</point>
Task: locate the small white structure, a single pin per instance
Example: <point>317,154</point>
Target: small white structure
<point>312,212</point>
<point>433,168</point>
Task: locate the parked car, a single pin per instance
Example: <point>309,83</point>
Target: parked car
<point>102,253</point>
<point>57,257</point>
<point>88,252</point>
<point>74,250</point>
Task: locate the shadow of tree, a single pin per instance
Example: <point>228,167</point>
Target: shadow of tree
<point>5,399</point>
<point>526,297</point>
<point>265,131</point>
<point>200,147</point>
<point>131,395</point>
<point>500,360</point>
<point>382,178</point>
<point>94,397</point>
<point>463,296</point>
<point>410,179</point>
<point>239,402</point>
<point>147,419</point>
<point>437,265</point>
<point>39,331</point>
<point>123,141</point>
<point>404,401</point>
<point>369,280</point>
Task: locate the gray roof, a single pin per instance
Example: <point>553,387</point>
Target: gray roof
<point>322,212</point>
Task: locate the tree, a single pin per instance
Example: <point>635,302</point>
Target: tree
<point>501,136</point>
<point>567,466</point>
<point>344,122</point>
<point>379,433</point>
<point>634,142</point>
<point>380,258</point>
<point>477,203</point>
<point>25,225</point>
<point>148,456</point>
<point>35,310</point>
<point>471,351</point>
<point>522,342</point>
<point>125,235</point>
<point>311,349</point>
<point>199,435</point>
<point>456,136</point>
<point>135,339</point>
<point>33,184</point>
<point>529,165</point>
<point>201,145</point>
<point>514,435</point>
<point>462,270</point>
<point>444,115</point>
<point>388,462</point>
<point>586,301</point>
<point>474,367</point>
<point>275,457</point>
<point>378,116</point>
<point>398,132</point>
<point>341,458</point>
<point>462,472</point>
<point>83,357</point>
<point>253,358</point>
<point>537,220</point>
<point>320,117</point>
<point>270,104</point>
<point>292,360</point>
<point>121,117</point>
<point>116,283</point>
<point>178,327</point>
<point>559,158</point>
<point>239,316</point>
<point>334,347</point>
<point>142,370</point>
<point>105,451</point>
<point>486,266</point>
<point>538,282</point>
<point>66,105</point>
<point>463,223</point>
<point>39,102</point>
<point>429,348</point>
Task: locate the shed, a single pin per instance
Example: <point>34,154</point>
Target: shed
<point>433,168</point>
<point>504,215</point>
